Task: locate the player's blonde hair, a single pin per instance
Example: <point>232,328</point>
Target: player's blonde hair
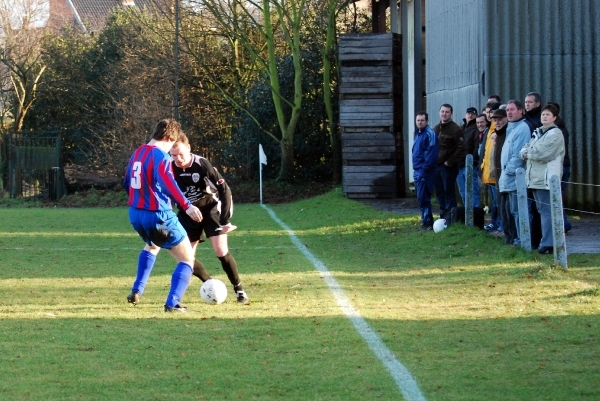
<point>183,139</point>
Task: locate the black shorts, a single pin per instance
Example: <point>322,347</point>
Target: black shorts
<point>206,228</point>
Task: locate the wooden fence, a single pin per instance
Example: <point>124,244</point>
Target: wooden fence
<point>371,115</point>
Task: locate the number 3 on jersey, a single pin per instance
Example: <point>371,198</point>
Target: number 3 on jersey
<point>136,180</point>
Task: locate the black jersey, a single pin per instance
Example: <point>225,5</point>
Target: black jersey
<point>204,187</point>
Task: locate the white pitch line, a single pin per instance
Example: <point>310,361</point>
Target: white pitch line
<point>405,382</point>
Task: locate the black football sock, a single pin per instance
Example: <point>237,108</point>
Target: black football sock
<point>230,268</point>
<point>200,271</point>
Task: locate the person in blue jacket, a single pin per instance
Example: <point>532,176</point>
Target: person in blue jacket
<point>424,159</point>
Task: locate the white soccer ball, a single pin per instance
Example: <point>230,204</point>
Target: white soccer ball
<point>439,225</point>
<point>213,291</point>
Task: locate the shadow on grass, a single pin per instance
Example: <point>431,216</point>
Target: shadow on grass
<point>196,356</point>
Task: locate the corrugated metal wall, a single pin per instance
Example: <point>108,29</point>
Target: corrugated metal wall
<point>454,31</point>
<point>548,46</point>
<point>552,47</point>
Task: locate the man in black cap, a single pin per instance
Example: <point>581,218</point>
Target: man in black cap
<point>471,134</point>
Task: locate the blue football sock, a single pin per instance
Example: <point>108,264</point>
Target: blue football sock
<point>145,265</point>
<point>179,283</point>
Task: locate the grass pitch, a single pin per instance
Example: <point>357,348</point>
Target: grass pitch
<point>470,318</point>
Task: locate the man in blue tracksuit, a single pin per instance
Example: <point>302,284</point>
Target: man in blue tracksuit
<point>424,158</point>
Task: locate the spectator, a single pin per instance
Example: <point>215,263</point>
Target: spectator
<point>471,134</point>
<point>487,177</point>
<point>452,151</point>
<point>517,135</point>
<point>566,174</point>
<point>424,157</point>
<point>494,99</point>
<point>544,155</point>
<point>533,107</point>
<point>498,137</point>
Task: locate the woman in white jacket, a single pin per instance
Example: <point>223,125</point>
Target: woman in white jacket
<point>544,156</point>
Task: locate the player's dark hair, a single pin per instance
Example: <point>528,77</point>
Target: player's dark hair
<point>167,129</point>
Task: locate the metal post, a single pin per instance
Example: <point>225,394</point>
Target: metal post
<point>524,228</point>
<point>558,224</point>
<point>260,178</point>
<point>469,191</point>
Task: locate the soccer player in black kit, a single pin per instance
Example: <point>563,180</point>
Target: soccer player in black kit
<point>206,189</point>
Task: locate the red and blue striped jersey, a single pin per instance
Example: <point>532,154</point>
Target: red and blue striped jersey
<point>149,181</point>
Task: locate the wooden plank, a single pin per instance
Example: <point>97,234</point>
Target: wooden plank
<point>369,188</point>
<point>382,92</point>
<point>371,182</point>
<point>366,102</point>
<point>368,135</point>
<point>367,58</point>
<point>365,116</point>
<point>368,84</point>
<point>358,143</point>
<point>370,96</point>
<point>369,156</point>
<point>365,41</point>
<point>346,150</point>
<point>367,124</point>
<point>366,72</point>
<point>368,169</point>
<point>370,176</point>
<point>387,80</point>
<point>366,109</point>
<point>368,53</point>
<point>360,130</point>
<point>351,195</point>
<point>376,70</point>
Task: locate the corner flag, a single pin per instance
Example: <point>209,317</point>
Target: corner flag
<point>261,155</point>
<point>262,159</point>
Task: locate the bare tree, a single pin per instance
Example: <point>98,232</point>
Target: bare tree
<point>22,26</point>
<point>279,26</point>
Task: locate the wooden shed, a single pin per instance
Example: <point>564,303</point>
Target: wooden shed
<point>371,115</point>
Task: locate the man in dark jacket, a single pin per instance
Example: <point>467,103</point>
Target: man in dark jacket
<point>452,152</point>
<point>533,107</point>
<point>424,158</point>
<point>533,118</point>
<point>471,134</point>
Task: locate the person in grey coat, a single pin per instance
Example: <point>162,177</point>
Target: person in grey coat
<point>517,135</point>
<point>544,155</point>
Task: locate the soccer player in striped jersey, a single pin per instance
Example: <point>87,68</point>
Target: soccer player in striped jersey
<point>202,185</point>
<point>150,184</point>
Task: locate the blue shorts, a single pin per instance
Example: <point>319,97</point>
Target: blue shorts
<point>160,228</point>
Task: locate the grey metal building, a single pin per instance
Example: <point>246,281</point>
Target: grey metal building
<point>475,48</point>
